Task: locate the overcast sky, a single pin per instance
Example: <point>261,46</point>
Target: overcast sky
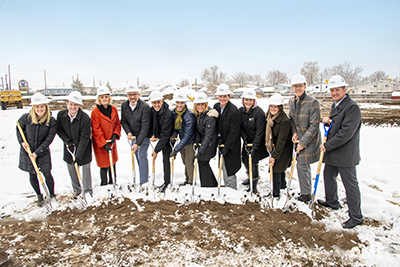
<point>164,42</point>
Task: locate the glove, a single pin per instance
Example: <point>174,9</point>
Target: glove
<point>173,154</point>
<point>114,136</point>
<point>107,148</point>
<point>219,141</point>
<point>224,151</point>
<point>71,145</point>
<point>173,139</point>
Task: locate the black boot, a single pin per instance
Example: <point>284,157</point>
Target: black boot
<point>255,183</point>
<point>163,187</point>
<point>40,200</point>
<point>246,181</point>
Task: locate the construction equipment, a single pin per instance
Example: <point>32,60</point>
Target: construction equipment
<point>11,98</point>
<point>321,157</point>
<point>47,202</point>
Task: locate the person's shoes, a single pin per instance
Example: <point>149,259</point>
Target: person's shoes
<point>40,200</point>
<point>323,203</point>
<point>185,183</point>
<point>246,181</point>
<point>75,196</point>
<point>350,224</point>
<point>304,198</point>
<point>163,187</point>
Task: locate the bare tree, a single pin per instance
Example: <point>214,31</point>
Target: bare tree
<point>109,86</point>
<point>183,83</point>
<point>256,79</point>
<point>213,77</point>
<point>277,77</point>
<point>240,78</point>
<point>310,70</point>
<point>377,76</point>
<point>346,70</point>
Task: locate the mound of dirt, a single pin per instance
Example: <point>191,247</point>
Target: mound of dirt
<point>133,233</point>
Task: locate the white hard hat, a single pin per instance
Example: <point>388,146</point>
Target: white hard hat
<point>180,96</point>
<point>297,79</point>
<point>249,94</point>
<point>201,98</point>
<point>337,81</point>
<point>103,90</point>
<point>155,96</point>
<point>223,89</point>
<point>132,89</point>
<point>38,99</point>
<point>276,99</point>
<point>75,97</point>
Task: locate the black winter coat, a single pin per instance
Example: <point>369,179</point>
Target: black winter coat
<point>165,126</point>
<point>252,131</point>
<point>283,145</point>
<point>206,135</point>
<point>187,132</point>
<point>343,144</point>
<point>229,127</point>
<point>39,138</point>
<point>78,132</point>
<point>138,121</point>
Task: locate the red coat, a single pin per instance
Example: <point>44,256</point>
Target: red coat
<point>102,130</point>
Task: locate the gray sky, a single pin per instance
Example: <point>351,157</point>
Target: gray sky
<point>166,41</point>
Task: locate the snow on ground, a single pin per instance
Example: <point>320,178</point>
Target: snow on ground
<point>378,175</point>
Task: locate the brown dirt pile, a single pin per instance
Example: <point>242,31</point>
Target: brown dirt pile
<point>76,236</point>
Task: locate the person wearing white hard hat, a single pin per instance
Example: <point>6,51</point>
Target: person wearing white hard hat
<point>252,131</point>
<point>39,128</point>
<point>206,140</point>
<point>184,127</point>
<point>342,152</point>
<point>106,129</point>
<point>278,139</point>
<point>305,116</point>
<point>73,127</point>
<point>228,126</point>
<point>136,121</point>
<point>162,121</point>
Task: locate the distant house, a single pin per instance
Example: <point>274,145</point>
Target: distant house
<point>318,88</point>
<point>58,91</point>
<point>376,87</point>
<point>283,88</point>
<point>239,91</point>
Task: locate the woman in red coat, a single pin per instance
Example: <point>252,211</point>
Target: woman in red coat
<point>106,128</point>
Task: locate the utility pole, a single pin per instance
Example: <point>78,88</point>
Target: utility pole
<point>2,84</point>
<point>45,80</point>
<point>6,82</point>
<point>138,82</point>
<point>9,77</point>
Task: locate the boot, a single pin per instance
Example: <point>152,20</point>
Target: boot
<point>246,181</point>
<point>163,187</point>
<point>40,200</point>
<point>255,183</point>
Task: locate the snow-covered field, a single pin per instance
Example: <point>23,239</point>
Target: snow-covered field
<point>378,175</point>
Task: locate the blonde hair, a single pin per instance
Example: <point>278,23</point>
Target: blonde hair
<point>46,116</point>
<point>195,108</point>
<point>98,100</point>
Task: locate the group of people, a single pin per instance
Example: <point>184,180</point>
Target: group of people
<point>199,134</point>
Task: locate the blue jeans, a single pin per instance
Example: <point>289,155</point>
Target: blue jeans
<point>141,157</point>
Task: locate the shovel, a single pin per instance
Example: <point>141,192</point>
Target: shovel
<point>86,198</point>
<point>221,160</point>
<point>171,185</point>
<point>321,157</point>
<point>114,179</point>
<point>289,198</point>
<point>252,197</point>
<point>47,202</point>
<point>136,186</point>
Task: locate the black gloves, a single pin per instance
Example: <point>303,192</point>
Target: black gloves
<point>71,145</point>
<point>173,139</point>
<point>114,136</point>
<point>224,151</point>
<point>107,148</point>
<point>173,154</point>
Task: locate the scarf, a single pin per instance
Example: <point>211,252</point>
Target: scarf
<point>106,111</point>
<point>178,120</point>
<point>268,131</point>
